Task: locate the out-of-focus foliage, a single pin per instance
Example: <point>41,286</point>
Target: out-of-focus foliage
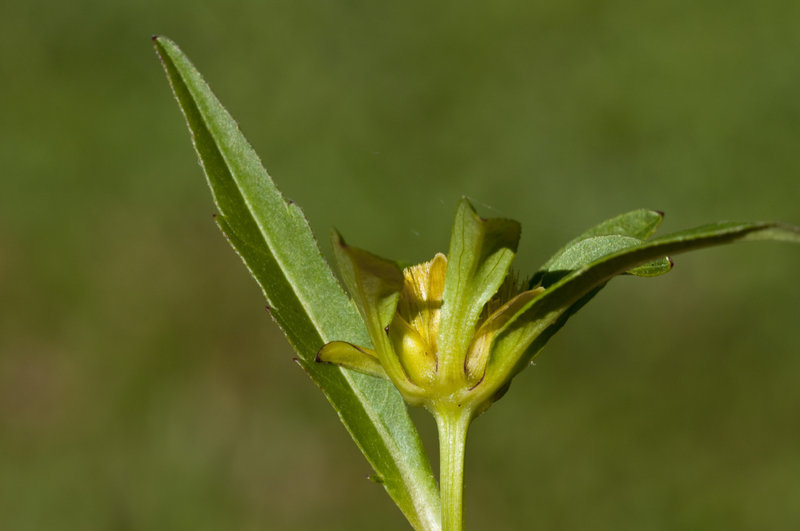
<point>141,381</point>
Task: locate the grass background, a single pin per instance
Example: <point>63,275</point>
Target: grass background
<point>142,385</point>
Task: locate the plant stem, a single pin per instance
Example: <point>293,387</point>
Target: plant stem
<point>453,425</point>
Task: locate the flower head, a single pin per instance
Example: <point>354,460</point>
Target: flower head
<point>434,325</point>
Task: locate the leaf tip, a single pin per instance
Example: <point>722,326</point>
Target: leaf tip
<point>158,42</point>
<point>337,239</point>
<point>465,204</point>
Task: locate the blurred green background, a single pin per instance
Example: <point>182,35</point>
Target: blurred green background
<point>142,384</point>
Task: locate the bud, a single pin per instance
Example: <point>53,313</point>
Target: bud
<point>433,325</point>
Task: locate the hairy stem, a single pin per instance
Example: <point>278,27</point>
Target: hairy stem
<point>453,425</point>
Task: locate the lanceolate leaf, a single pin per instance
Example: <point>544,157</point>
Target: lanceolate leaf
<point>275,242</point>
<point>545,314</point>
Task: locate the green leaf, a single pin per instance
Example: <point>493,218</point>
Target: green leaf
<point>641,223</point>
<point>546,313</point>
<point>595,247</point>
<point>276,244</point>
<point>638,224</point>
<point>481,251</point>
<point>656,268</point>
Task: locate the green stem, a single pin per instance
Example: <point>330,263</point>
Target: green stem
<point>453,427</point>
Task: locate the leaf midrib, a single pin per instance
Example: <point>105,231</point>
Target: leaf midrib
<point>291,280</point>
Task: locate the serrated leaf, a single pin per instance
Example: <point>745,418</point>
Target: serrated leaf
<point>481,251</point>
<point>276,243</point>
<point>545,314</point>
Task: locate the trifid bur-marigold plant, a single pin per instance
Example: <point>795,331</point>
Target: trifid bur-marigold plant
<point>448,334</point>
